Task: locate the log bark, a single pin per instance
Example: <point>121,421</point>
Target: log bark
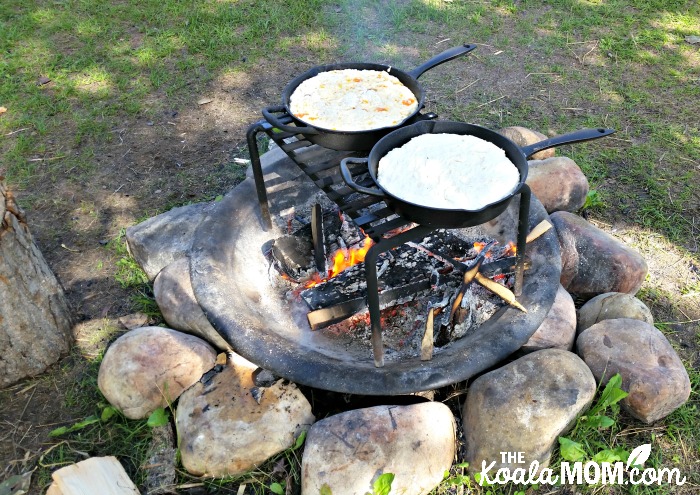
<point>35,319</point>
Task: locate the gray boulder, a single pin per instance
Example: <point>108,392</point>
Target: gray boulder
<point>558,183</point>
<point>349,451</point>
<point>524,407</point>
<point>227,426</point>
<point>593,261</point>
<point>610,306</point>
<point>651,371</point>
<point>522,136</point>
<point>558,330</point>
<point>150,367</point>
<point>160,240</point>
<point>172,289</point>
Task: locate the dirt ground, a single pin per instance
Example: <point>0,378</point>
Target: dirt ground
<point>186,155</point>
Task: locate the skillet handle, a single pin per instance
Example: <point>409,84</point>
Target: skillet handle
<point>440,59</point>
<point>572,137</point>
<point>269,114</point>
<point>347,177</point>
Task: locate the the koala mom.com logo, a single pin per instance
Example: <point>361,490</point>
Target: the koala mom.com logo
<point>570,473</point>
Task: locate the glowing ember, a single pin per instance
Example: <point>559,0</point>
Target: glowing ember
<point>510,249</point>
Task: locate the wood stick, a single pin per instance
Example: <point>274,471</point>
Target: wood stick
<point>539,229</point>
<point>426,345</point>
<point>501,291</point>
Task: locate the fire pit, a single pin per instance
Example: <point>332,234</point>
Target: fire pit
<point>233,283</point>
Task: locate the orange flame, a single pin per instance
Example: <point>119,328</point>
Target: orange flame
<point>342,259</point>
<point>510,249</point>
<point>315,280</point>
<point>479,246</point>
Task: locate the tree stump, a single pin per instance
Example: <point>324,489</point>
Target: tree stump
<point>35,320</point>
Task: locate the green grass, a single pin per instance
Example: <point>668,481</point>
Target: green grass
<point>645,87</point>
<point>127,439</point>
<point>105,60</point>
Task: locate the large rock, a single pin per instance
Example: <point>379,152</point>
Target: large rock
<point>522,136</point>
<point>523,407</point>
<point>227,426</point>
<point>172,289</point>
<point>160,240</point>
<point>150,367</point>
<point>348,451</point>
<point>558,330</point>
<point>35,317</point>
<point>558,183</point>
<point>651,371</point>
<point>610,306</point>
<point>593,261</point>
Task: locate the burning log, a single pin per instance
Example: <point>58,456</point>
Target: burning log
<point>324,317</point>
<point>408,267</point>
<point>291,255</point>
<point>469,276</point>
<point>503,292</point>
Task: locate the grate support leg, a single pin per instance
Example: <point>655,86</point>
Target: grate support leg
<point>371,257</point>
<point>251,136</point>
<point>523,224</point>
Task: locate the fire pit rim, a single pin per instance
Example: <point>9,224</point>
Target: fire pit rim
<point>213,256</point>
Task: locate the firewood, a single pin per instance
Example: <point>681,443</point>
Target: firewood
<point>426,345</point>
<point>539,229</point>
<point>503,292</point>
<point>105,474</point>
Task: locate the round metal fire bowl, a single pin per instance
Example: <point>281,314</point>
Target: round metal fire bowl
<point>231,283</point>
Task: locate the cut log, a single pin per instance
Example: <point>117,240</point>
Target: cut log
<point>102,475</point>
<point>35,320</point>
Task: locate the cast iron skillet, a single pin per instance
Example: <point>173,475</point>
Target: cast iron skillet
<point>451,218</point>
<point>357,140</point>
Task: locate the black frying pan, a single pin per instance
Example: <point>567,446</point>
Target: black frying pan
<point>450,218</point>
<point>357,140</point>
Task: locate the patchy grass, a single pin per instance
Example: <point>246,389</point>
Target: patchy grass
<point>96,430</point>
<point>101,62</point>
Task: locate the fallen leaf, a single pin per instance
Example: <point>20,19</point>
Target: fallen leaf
<point>204,101</point>
<point>693,40</point>
<point>3,110</point>
<point>43,80</point>
<point>134,320</point>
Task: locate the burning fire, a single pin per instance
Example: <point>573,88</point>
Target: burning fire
<point>509,250</point>
<point>342,259</point>
<point>479,247</point>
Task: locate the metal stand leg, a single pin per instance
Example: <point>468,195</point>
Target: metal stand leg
<point>523,224</point>
<point>251,136</point>
<point>383,246</point>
